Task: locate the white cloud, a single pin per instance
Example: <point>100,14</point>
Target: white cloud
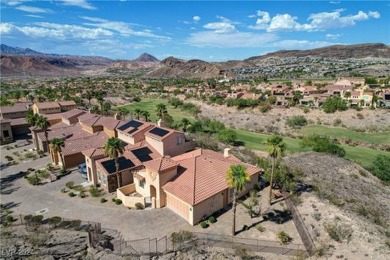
<point>334,2</point>
<point>196,18</point>
<point>220,27</point>
<point>262,22</point>
<point>80,3</point>
<point>121,27</point>
<point>375,15</point>
<point>333,36</point>
<point>14,2</point>
<point>300,44</point>
<point>317,22</point>
<point>57,31</point>
<point>32,9</point>
<point>229,40</point>
<point>5,28</point>
<point>34,16</point>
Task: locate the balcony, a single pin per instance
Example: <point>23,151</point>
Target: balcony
<point>129,196</point>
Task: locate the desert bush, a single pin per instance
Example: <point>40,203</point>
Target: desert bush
<point>316,216</point>
<point>54,221</point>
<point>34,179</point>
<point>360,116</point>
<point>337,122</point>
<point>381,166</point>
<point>75,223</point>
<point>178,238</point>
<point>284,237</point>
<point>296,121</point>
<point>38,238</point>
<point>64,190</point>
<point>245,227</point>
<point>338,231</point>
<point>37,219</point>
<point>44,174</point>
<point>139,205</point>
<point>82,194</point>
<point>212,219</point>
<point>103,200</point>
<point>242,253</point>
<point>227,136</point>
<point>260,227</point>
<point>322,144</point>
<point>9,158</point>
<point>70,185</point>
<point>71,194</point>
<point>94,192</point>
<point>265,108</point>
<point>306,110</point>
<point>204,224</point>
<point>118,201</point>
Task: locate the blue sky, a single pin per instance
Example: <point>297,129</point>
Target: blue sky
<point>213,31</point>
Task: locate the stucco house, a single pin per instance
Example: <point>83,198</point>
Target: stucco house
<point>192,184</point>
<point>45,108</point>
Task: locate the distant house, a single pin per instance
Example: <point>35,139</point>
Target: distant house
<point>45,108</point>
<point>13,122</point>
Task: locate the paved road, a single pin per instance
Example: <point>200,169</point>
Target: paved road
<point>133,224</point>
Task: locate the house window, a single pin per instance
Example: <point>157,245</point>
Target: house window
<point>5,133</point>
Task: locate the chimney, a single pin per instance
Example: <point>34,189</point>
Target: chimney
<point>226,152</point>
<point>160,123</point>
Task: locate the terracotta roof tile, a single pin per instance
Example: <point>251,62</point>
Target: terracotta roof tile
<point>73,113</point>
<point>161,164</point>
<point>201,174</point>
<point>17,107</point>
<point>73,146</point>
<point>105,121</point>
<point>45,105</point>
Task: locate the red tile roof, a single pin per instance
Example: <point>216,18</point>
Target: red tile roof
<point>74,146</point>
<point>73,113</point>
<point>67,103</point>
<point>161,164</point>
<point>19,122</point>
<point>170,131</point>
<point>93,152</point>
<point>17,107</point>
<point>105,121</point>
<point>62,130</point>
<point>45,105</point>
<point>201,175</point>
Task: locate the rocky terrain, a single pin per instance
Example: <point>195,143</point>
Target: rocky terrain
<point>357,51</point>
<point>274,121</point>
<point>372,59</point>
<point>344,194</point>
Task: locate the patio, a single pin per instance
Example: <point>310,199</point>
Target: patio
<point>129,196</point>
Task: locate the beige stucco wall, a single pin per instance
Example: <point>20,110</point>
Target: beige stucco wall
<point>207,207</point>
<point>109,132</point>
<point>47,111</point>
<point>87,128</point>
<point>6,127</point>
<point>13,115</point>
<point>91,168</point>
<point>125,137</point>
<point>156,144</point>
<point>123,192</point>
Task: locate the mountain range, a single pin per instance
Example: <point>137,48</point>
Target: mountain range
<point>27,62</point>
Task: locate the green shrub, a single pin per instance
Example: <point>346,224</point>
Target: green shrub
<point>54,221</point>
<point>242,253</point>
<point>82,194</point>
<point>71,194</point>
<point>260,227</point>
<point>118,201</point>
<point>75,223</point>
<point>44,174</point>
<point>139,205</point>
<point>212,219</point>
<point>9,218</point>
<point>113,199</point>
<point>338,231</point>
<point>64,190</point>
<point>306,110</point>
<point>28,218</point>
<point>265,108</point>
<point>284,238</point>
<point>204,224</point>
<point>37,218</point>
<point>227,136</point>
<point>34,179</point>
<point>94,192</point>
<point>381,166</point>
<point>296,121</point>
<point>245,227</point>
<point>360,116</point>
<point>103,200</point>
<point>70,185</point>
<point>322,144</point>
<point>333,104</point>
<point>337,122</point>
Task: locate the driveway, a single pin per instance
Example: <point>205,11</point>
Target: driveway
<point>48,199</point>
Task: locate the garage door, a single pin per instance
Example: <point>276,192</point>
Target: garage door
<point>178,207</point>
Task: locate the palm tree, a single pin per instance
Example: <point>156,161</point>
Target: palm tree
<point>297,96</point>
<point>31,118</point>
<point>43,124</point>
<point>123,112</point>
<point>137,112</point>
<point>113,148</point>
<point>161,110</point>
<point>89,95</point>
<point>236,177</point>
<point>55,147</point>
<point>276,149</point>
<point>100,99</point>
<point>146,115</point>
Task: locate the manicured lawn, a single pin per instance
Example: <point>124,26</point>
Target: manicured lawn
<point>344,133</point>
<point>150,106</point>
<point>361,155</point>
